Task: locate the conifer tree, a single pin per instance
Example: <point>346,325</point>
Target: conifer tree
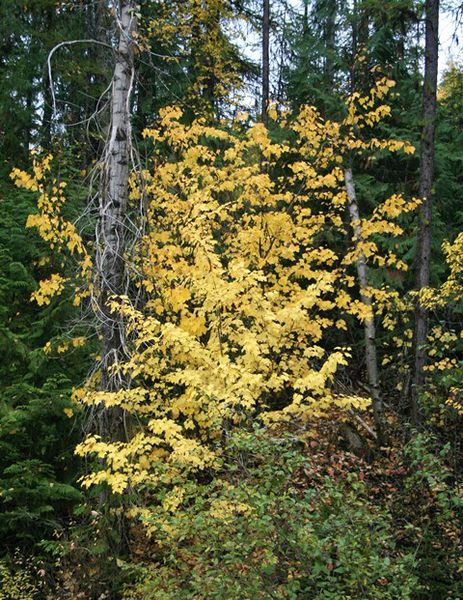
<point>265,60</point>
<point>423,248</point>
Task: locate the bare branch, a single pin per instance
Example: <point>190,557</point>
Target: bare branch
<point>50,56</point>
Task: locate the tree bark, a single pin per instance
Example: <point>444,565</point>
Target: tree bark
<point>360,38</point>
<point>111,279</point>
<point>265,60</point>
<point>369,325</point>
<point>330,44</point>
<point>423,246</point>
<point>47,114</point>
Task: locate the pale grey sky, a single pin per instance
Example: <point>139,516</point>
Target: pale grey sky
<point>449,50</point>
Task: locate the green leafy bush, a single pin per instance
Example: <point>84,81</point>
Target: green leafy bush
<point>17,583</point>
<point>428,515</point>
<point>272,527</point>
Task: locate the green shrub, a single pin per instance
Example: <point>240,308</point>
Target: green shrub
<point>17,583</point>
<point>428,514</point>
<point>270,527</point>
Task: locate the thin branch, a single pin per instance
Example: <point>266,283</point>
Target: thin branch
<point>50,56</point>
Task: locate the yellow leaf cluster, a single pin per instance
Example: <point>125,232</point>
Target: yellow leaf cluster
<point>451,291</point>
<point>242,287</point>
<point>60,234</point>
<point>201,27</point>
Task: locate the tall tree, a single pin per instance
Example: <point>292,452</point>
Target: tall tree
<point>114,168</point>
<point>194,61</point>
<point>423,246</point>
<point>371,358</point>
<point>265,60</point>
<point>329,9</point>
<point>360,43</point>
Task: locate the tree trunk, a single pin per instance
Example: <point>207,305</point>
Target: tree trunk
<point>423,246</point>
<point>265,60</point>
<point>110,266</point>
<point>47,113</point>
<point>369,325</point>
<point>330,42</point>
<point>360,38</point>
<point>305,26</point>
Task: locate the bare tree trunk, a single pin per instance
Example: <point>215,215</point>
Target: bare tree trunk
<point>369,325</point>
<point>360,36</point>
<point>330,45</point>
<point>353,74</point>
<point>423,246</point>
<point>306,17</point>
<point>110,274</point>
<point>47,113</point>
<point>265,60</point>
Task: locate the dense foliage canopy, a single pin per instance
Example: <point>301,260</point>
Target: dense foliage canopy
<point>231,330</point>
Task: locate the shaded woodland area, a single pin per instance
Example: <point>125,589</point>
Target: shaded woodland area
<point>231,285</point>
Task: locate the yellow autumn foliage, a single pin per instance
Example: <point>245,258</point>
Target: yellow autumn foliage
<point>242,287</point>
<point>60,234</point>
